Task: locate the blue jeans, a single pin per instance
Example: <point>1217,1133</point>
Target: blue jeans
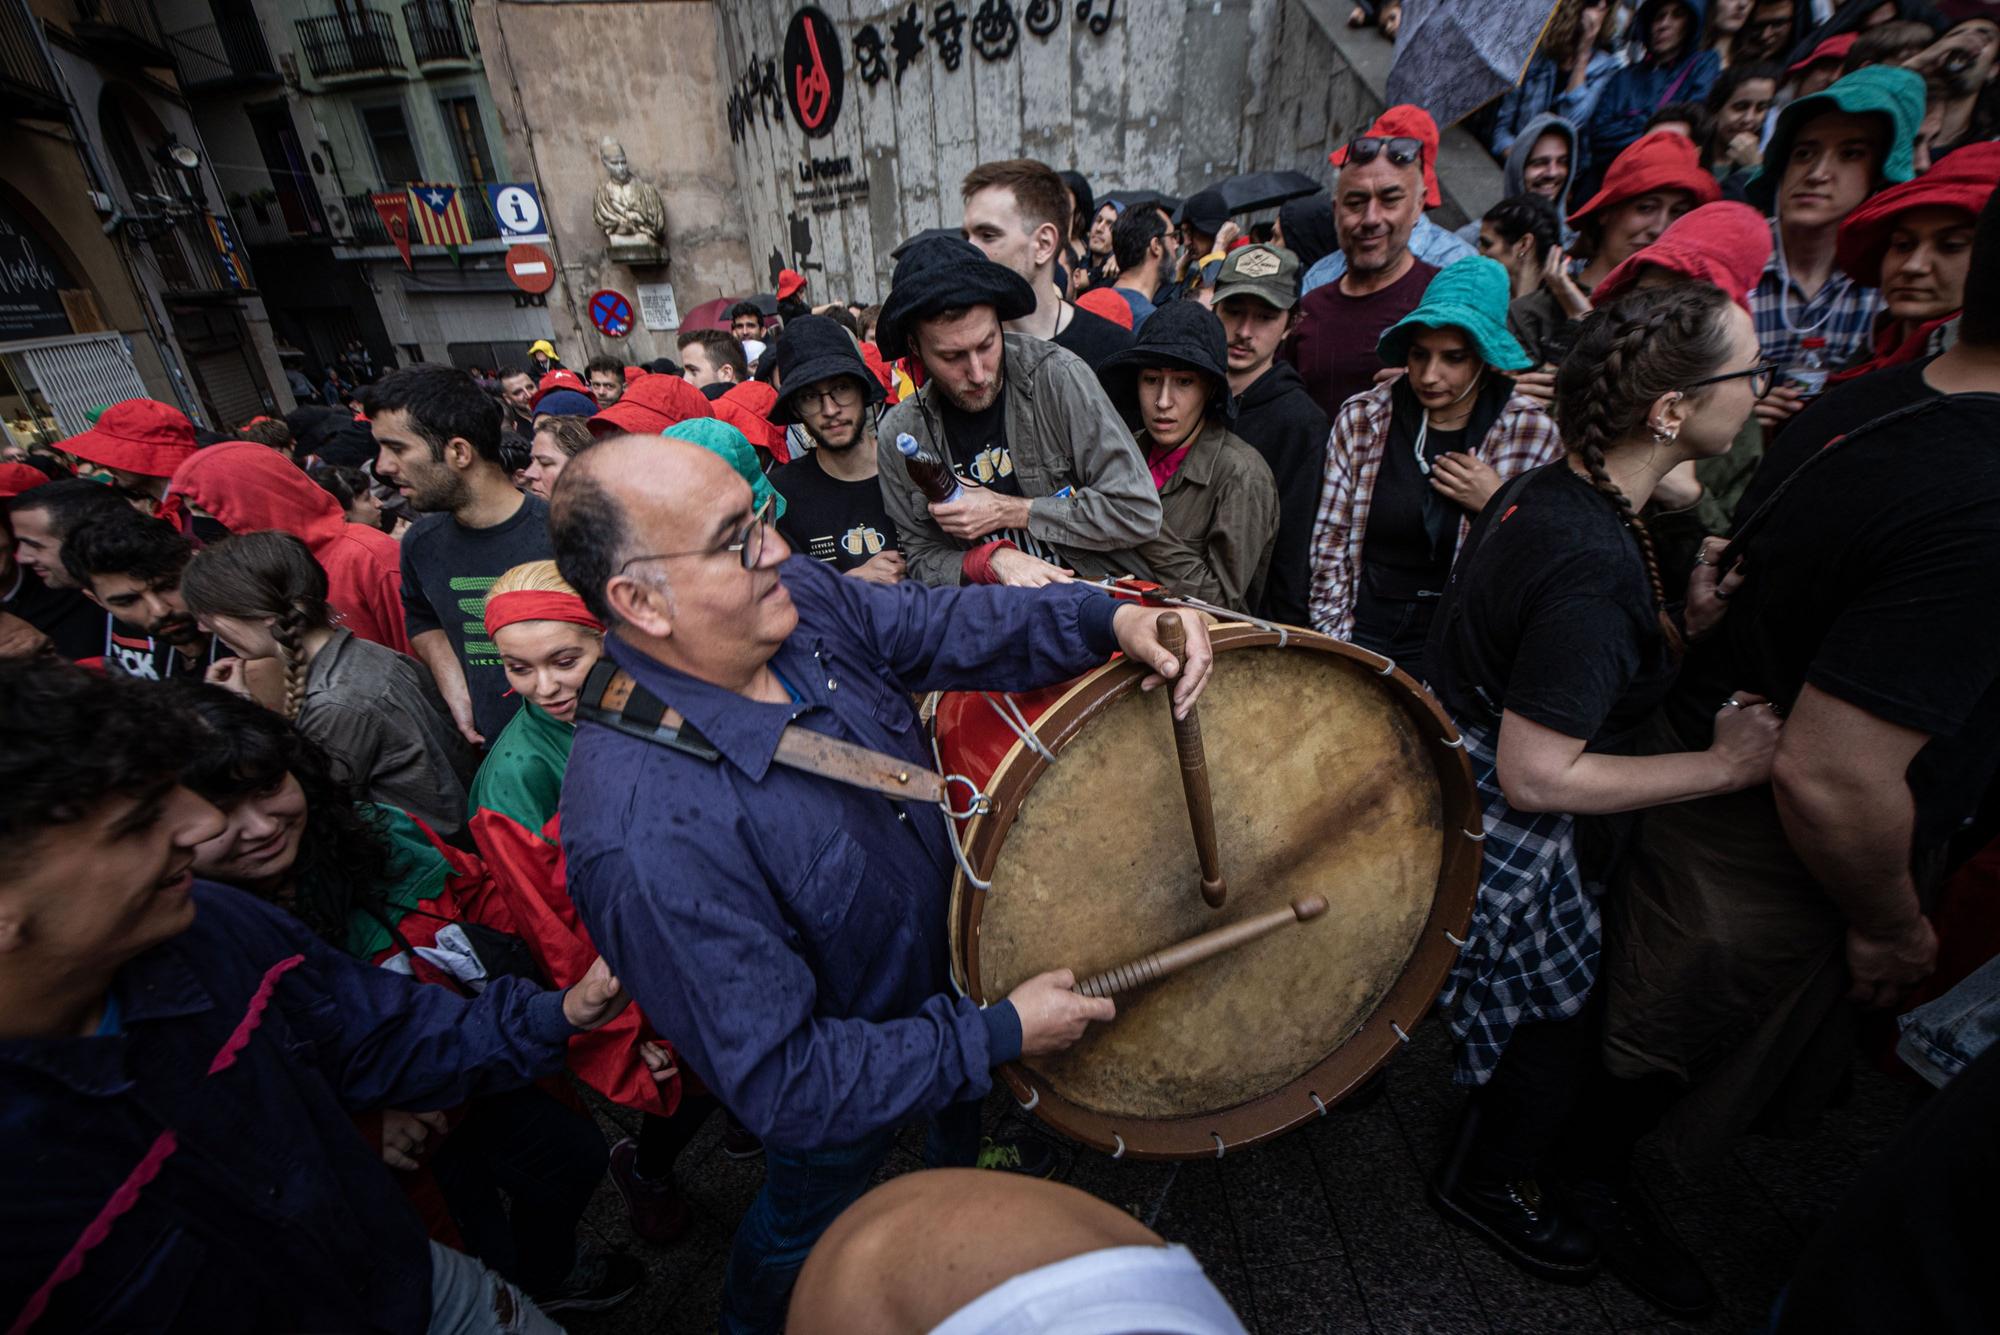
<point>803,1193</point>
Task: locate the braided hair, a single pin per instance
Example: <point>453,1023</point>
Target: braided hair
<point>268,574</point>
<point>1645,344</point>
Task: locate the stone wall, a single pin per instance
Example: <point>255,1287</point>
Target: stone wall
<point>1170,95</point>
<point>643,71</point>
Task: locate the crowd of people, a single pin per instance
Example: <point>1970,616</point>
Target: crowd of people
<point>385,784</point>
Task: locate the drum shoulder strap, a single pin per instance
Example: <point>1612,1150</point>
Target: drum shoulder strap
<point>612,698</point>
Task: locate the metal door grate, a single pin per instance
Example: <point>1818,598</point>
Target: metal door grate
<point>80,373</point>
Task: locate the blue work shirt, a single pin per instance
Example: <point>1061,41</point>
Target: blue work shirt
<point>787,931</point>
<point>272,1212</point>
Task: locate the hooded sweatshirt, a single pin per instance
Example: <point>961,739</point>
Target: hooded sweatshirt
<point>1515,169</point>
<point>248,487</point>
<point>1634,93</point>
<point>1283,424</point>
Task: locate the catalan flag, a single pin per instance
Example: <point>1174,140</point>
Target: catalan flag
<point>438,214</point>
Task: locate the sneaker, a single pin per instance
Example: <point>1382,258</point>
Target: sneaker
<point>655,1208</point>
<point>1640,1249</point>
<point>600,1281</point>
<point>1027,1156</point>
<point>737,1142</point>
<point>1524,1225</point>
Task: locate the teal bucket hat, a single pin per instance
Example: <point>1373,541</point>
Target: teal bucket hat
<point>1886,90</point>
<point>1470,295</point>
<point>719,438</point>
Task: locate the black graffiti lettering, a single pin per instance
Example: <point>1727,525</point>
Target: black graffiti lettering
<point>1042,16</point>
<point>947,29</point>
<point>871,59</point>
<point>995,34</point>
<point>1098,22</point>
<point>906,38</point>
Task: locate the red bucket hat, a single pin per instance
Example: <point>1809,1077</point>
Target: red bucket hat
<point>650,405</point>
<point>142,436</point>
<point>1405,122</point>
<point>17,478</point>
<point>747,407</point>
<point>790,283</point>
<point>1662,160</point>
<point>1724,243</point>
<point>560,378</point>
<point>1964,179</point>
<point>1833,48</point>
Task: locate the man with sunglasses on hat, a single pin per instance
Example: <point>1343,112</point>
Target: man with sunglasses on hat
<point>1386,181</point>
<point>777,916</point>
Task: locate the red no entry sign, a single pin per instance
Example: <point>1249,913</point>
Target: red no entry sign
<point>611,312</point>
<point>531,268</point>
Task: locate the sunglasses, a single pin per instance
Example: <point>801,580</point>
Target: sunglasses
<point>748,544</point>
<point>1402,151</point>
<point>1761,377</point>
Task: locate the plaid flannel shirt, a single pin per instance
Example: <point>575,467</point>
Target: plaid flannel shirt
<point>1532,950</point>
<point>1842,312</point>
<point>1523,437</point>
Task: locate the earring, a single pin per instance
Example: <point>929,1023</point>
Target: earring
<point>1662,436</point>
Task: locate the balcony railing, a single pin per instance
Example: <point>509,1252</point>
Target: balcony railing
<point>368,229</point>
<point>222,55</point>
<point>438,31</point>
<point>359,41</point>
<point>27,84</point>
<point>123,28</point>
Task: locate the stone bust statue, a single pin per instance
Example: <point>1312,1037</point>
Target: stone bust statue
<point>628,210</point>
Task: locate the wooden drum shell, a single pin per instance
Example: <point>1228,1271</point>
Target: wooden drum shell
<point>1406,765</point>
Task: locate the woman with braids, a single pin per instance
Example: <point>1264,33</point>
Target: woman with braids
<point>1552,645</point>
<point>373,881</point>
<point>548,644</point>
<point>374,711</point>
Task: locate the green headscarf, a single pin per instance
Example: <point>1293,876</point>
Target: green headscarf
<point>720,438</point>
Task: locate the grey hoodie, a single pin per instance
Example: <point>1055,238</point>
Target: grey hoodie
<point>1516,165</point>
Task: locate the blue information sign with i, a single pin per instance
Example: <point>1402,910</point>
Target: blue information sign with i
<point>517,207</point>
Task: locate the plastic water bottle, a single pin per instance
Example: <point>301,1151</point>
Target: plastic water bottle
<point>1809,372</point>
<point>932,478</point>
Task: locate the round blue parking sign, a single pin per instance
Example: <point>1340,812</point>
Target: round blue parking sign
<point>611,312</point>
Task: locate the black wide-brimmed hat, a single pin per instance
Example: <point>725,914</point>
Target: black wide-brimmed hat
<point>942,273</point>
<point>1183,334</point>
<point>813,348</point>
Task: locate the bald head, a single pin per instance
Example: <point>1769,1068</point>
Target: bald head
<point>629,495</point>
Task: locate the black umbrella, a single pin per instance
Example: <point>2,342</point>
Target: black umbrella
<point>1139,199</point>
<point>1453,58</point>
<point>767,302</point>
<point>1263,190</point>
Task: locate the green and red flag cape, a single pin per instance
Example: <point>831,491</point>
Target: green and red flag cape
<point>516,826</point>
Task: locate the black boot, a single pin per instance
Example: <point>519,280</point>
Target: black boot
<point>1641,1249</point>
<point>1521,1222</point>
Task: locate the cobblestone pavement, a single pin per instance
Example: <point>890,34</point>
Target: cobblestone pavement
<point>1327,1229</point>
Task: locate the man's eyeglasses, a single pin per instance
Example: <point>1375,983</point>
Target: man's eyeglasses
<point>839,393</point>
<point>747,544</point>
<point>1402,151</point>
<point>1762,376</point>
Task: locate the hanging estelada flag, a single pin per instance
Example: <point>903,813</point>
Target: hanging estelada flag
<point>393,208</point>
<point>228,263</point>
<point>439,214</point>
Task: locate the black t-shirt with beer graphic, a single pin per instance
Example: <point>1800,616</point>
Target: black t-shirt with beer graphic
<point>979,452</point>
<point>840,523</point>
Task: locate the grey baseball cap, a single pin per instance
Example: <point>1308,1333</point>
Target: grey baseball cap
<point>1268,273</point>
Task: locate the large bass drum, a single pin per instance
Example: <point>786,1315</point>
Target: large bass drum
<point>1333,773</point>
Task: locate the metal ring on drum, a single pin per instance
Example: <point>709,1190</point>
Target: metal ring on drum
<point>1330,777</point>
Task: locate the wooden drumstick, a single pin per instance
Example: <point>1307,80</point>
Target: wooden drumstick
<point>1194,770</point>
<point>1151,968</point>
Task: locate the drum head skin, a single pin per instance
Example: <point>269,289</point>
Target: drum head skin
<point>1329,777</point>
